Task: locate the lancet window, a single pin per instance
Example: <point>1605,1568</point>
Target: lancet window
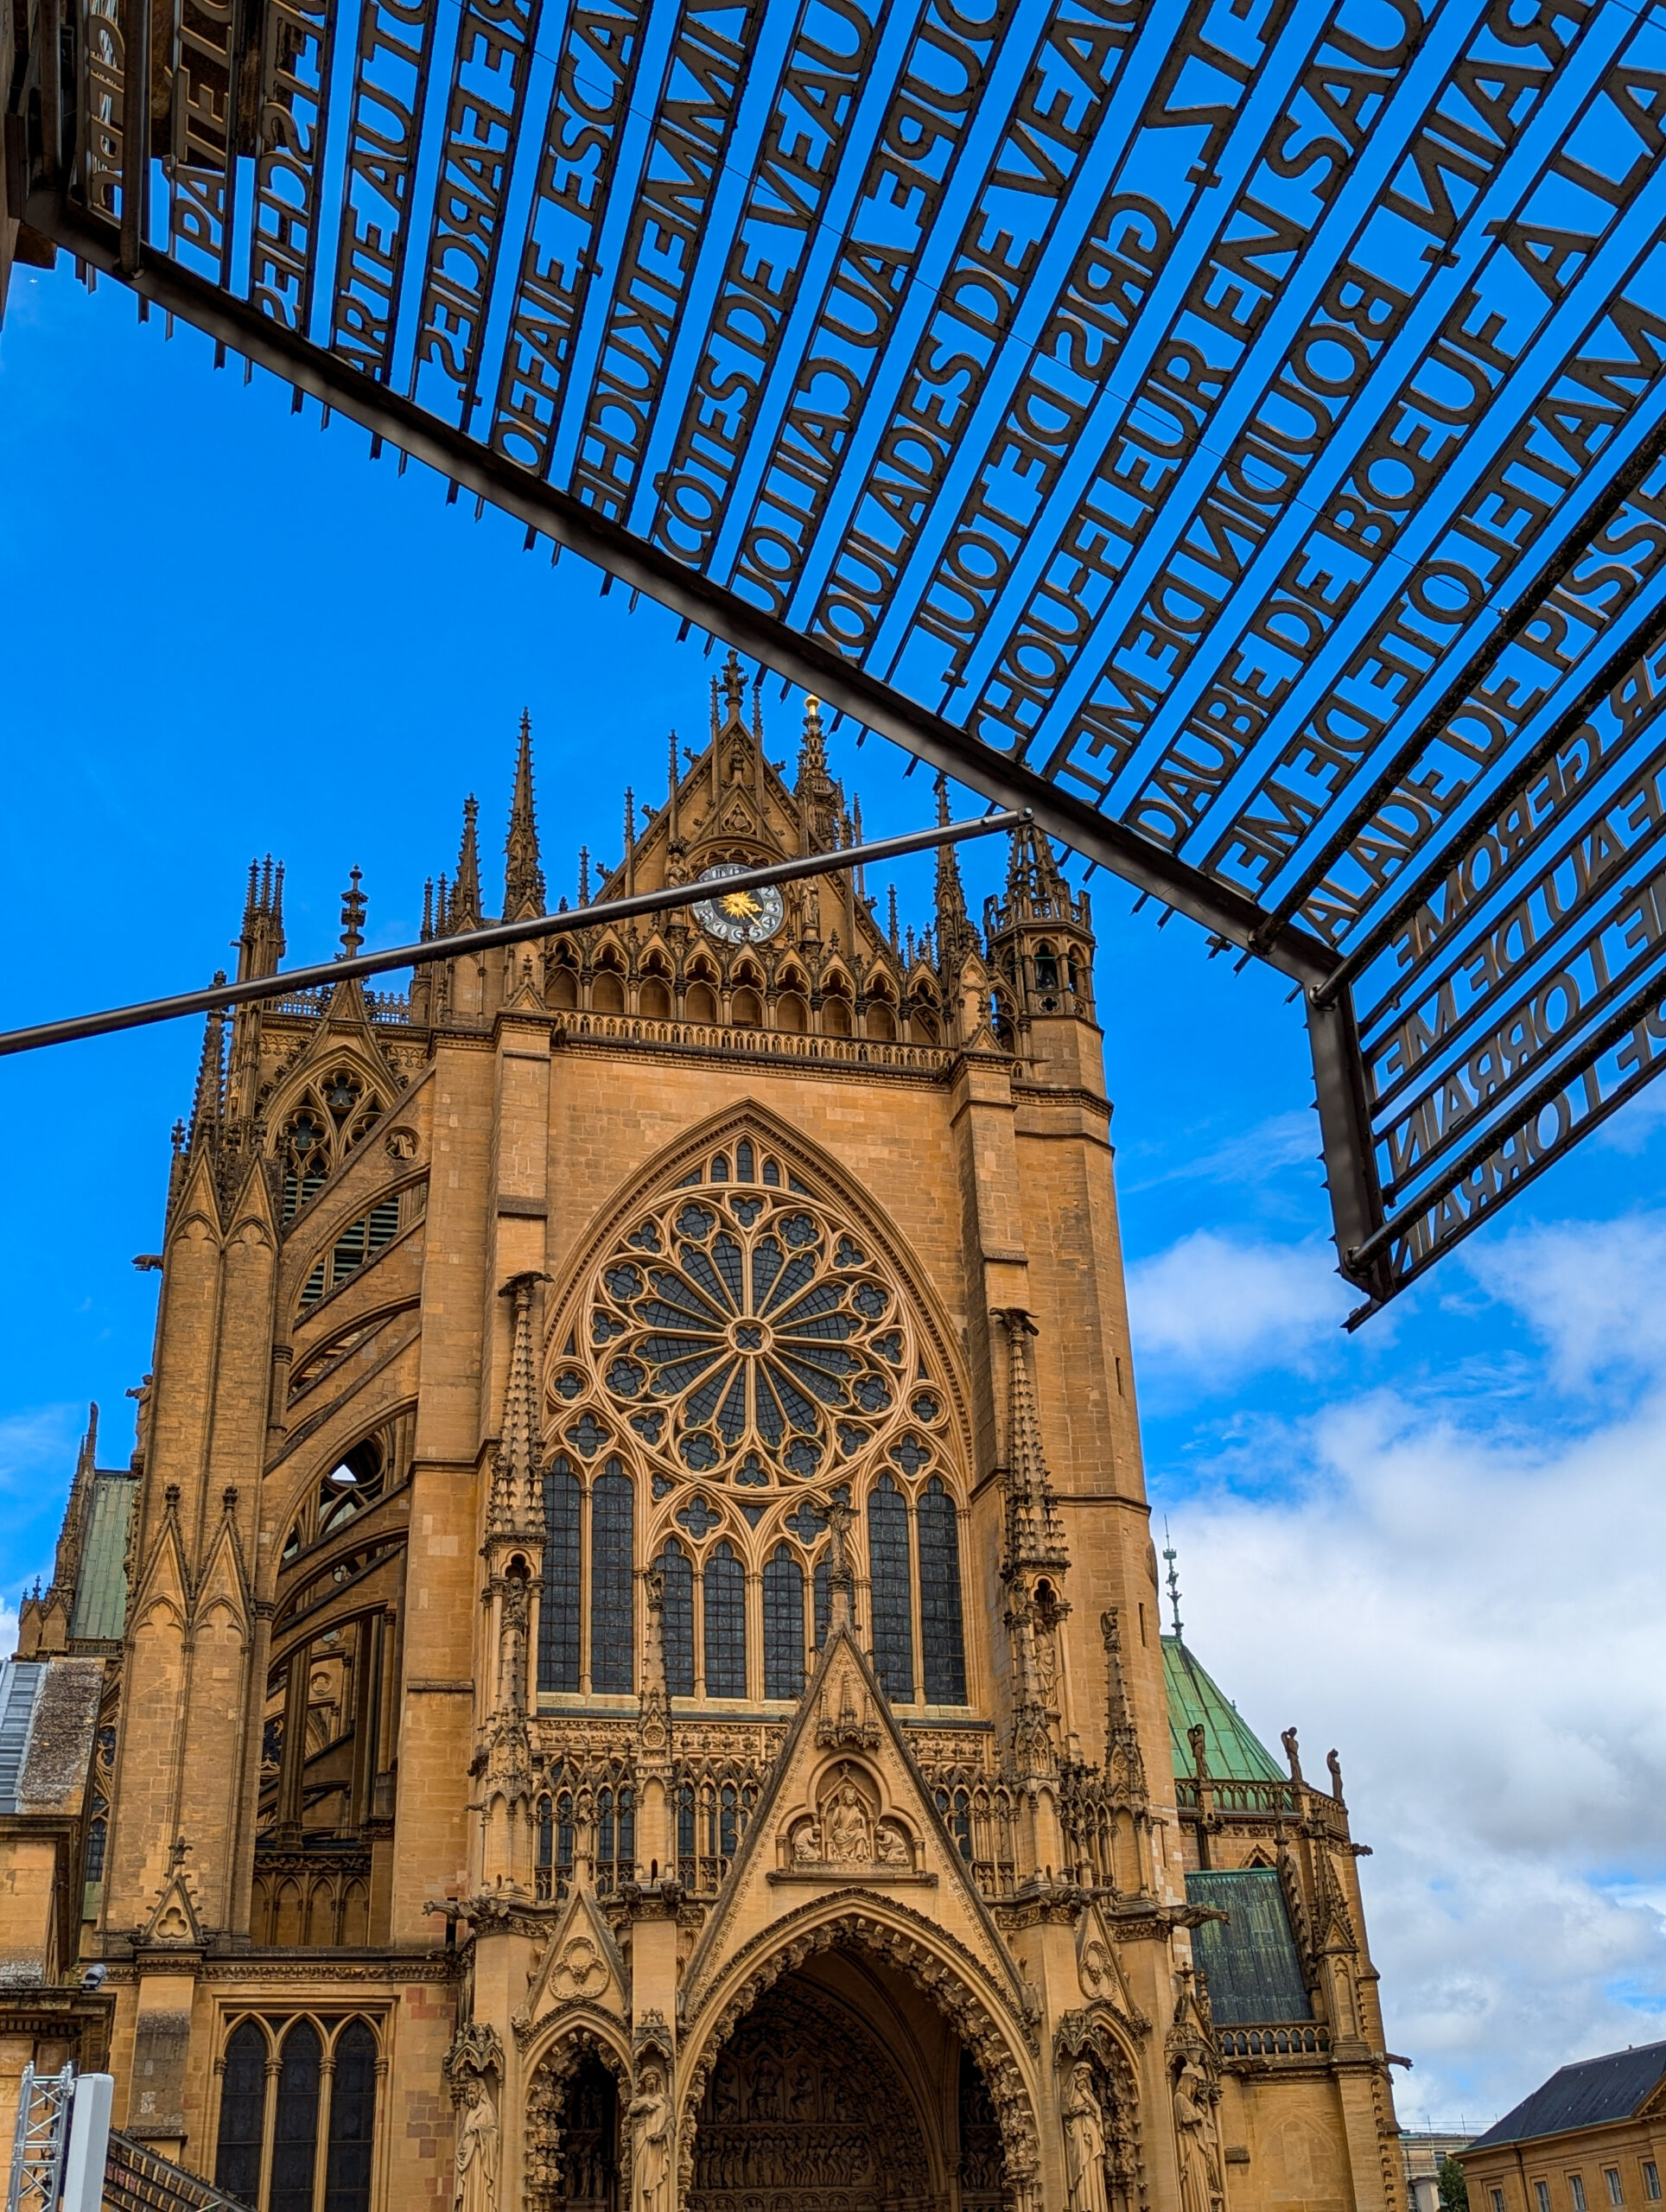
<point>784,1624</point>
<point>744,1353</point>
<point>315,2151</point>
<point>320,1132</point>
<point>587,1585</point>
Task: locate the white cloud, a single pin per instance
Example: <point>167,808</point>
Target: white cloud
<point>35,1440</point>
<point>1590,1289</point>
<point>1465,1595</point>
<point>1219,1306</point>
<point>1255,1156</point>
<point>7,1629</point>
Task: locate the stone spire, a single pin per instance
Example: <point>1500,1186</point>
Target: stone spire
<point>523,878</point>
<point>1035,1538</point>
<point>955,934</point>
<point>209,1104</point>
<point>819,799</point>
<point>463,911</point>
<point>1036,889</point>
<point>516,1509</point>
<point>261,946</point>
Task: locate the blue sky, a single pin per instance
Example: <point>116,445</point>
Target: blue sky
<point>1434,1544</point>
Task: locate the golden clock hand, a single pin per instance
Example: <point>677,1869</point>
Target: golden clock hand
<point>741,904</point>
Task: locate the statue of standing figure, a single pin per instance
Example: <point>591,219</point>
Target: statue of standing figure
<point>1085,2144</point>
<point>1193,2133</point>
<point>650,2116</point>
<point>476,2187</point>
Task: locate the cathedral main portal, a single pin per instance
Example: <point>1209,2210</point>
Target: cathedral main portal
<point>807,2110</point>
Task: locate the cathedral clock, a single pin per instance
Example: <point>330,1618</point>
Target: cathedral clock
<point>740,917</point>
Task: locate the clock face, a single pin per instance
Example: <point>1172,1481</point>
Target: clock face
<point>740,917</point>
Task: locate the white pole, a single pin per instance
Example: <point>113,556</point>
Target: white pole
<point>89,2142</point>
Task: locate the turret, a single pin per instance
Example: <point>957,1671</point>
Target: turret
<point>1041,948</point>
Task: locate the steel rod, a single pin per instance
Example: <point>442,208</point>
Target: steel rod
<point>218,996</point>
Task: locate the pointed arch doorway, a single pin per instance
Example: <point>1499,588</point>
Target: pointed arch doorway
<point>842,2090</point>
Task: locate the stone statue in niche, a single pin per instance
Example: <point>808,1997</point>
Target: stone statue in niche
<point>890,1848</point>
<point>1194,2131</point>
<point>849,1837</point>
<point>1085,2144</point>
<point>807,1845</point>
<point>476,2186</point>
<point>649,2115</point>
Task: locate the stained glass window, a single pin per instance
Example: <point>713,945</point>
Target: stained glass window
<point>294,2138</point>
<point>678,1618</point>
<point>887,1570</point>
<point>784,1624</point>
<point>824,1602</point>
<point>558,1607</point>
<point>612,1618</point>
<point>242,2116</point>
<point>726,1624</point>
<point>352,2120</point>
<point>943,1644</point>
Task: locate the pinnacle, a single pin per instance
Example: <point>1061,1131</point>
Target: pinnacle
<point>523,876</point>
<point>464,912</point>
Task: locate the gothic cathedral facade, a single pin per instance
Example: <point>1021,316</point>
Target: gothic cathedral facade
<point>626,1673</point>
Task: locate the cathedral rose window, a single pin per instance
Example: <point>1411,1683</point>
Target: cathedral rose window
<point>751,1352</point>
<point>746,1335</point>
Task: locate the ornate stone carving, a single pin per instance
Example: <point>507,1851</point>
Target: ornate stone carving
<point>475,2185</point>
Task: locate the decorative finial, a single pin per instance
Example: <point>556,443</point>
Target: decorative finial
<point>352,915</point>
<point>891,902</point>
<point>1174,1581</point>
<point>735,689</point>
<point>584,876</point>
<point>428,909</point>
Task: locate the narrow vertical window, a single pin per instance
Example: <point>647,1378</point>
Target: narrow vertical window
<point>822,1601</point>
<point>1541,2195</point>
<point>784,1624</point>
<point>678,1618</point>
<point>1616,2194</point>
<point>1651,2181</point>
<point>352,2120</point>
<point>242,2116</point>
<point>726,1624</point>
<point>294,2139</point>
<point>545,1861</point>
<point>1497,2200</point>
<point>558,1613</point>
<point>943,1644</point>
<point>743,1161</point>
<point>887,1571</point>
<point>613,1549</point>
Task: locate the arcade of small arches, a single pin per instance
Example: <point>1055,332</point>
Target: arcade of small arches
<point>296,2125</point>
<point>750,987</point>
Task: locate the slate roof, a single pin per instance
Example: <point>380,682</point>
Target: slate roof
<point>1235,1754</point>
<point>1582,2095</point>
<point>1250,1960</point>
<point>100,1609</point>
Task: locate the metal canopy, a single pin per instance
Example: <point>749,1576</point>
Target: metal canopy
<point>1233,430</point>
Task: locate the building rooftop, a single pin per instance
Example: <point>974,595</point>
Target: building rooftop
<point>1582,2095</point>
<point>101,1584</point>
<point>1233,1752</point>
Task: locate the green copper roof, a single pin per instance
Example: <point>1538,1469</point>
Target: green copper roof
<point>100,1585</point>
<point>1234,1754</point>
